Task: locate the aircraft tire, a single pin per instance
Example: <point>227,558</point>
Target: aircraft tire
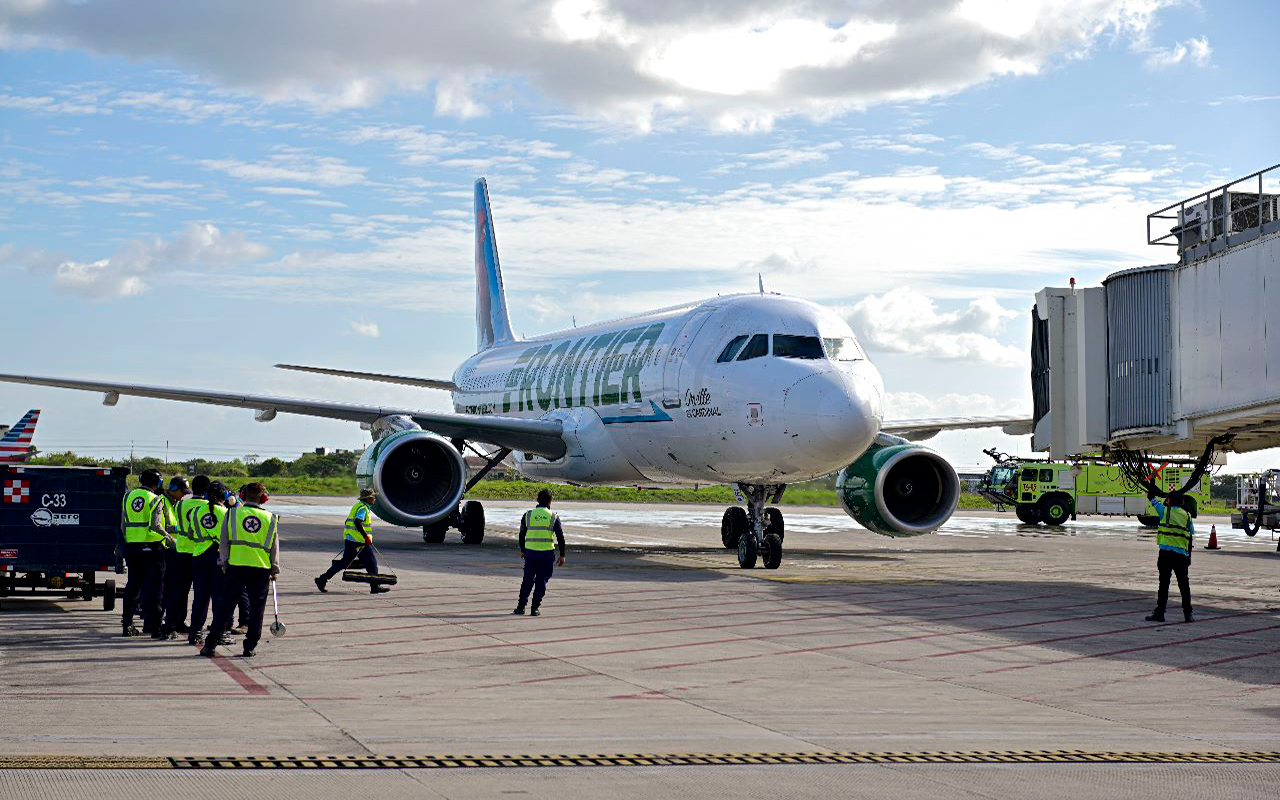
<point>772,551</point>
<point>472,522</point>
<point>732,525</point>
<point>1027,513</point>
<point>108,595</point>
<point>747,551</point>
<point>774,524</point>
<point>434,533</point>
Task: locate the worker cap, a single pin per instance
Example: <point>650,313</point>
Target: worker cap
<point>179,484</point>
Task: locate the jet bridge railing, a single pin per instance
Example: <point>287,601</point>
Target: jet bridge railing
<point>1208,222</point>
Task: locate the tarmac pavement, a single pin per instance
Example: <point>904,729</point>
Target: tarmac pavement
<point>987,636</point>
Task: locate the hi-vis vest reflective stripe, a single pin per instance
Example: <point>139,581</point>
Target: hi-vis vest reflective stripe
<point>250,532</point>
<point>204,525</point>
<point>350,531</point>
<point>539,529</point>
<point>181,512</point>
<point>139,505</point>
<point>1175,530</point>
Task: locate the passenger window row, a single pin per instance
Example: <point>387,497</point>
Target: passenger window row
<point>786,345</point>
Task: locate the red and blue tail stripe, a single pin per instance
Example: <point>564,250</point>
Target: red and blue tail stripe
<point>16,444</point>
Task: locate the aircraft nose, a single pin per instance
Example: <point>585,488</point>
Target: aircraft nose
<point>832,417</point>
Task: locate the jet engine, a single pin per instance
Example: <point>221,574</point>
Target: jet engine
<point>897,488</point>
<point>419,477</point>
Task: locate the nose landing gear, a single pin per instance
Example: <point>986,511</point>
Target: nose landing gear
<point>757,531</point>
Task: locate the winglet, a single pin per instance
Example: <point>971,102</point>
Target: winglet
<point>493,326</point>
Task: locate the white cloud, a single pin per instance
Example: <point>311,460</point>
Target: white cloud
<point>125,273</point>
<point>736,64</point>
<point>369,329</point>
<point>904,321</point>
<point>1193,51</point>
<point>291,165</point>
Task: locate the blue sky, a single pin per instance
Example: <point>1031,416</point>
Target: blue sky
<point>188,196</point>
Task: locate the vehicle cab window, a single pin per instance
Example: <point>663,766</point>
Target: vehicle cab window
<point>1029,475</point>
<point>757,347</point>
<point>1046,476</point>
<point>731,349</point>
<point>787,345</point>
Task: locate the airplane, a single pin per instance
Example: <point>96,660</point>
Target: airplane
<point>756,391</point>
<point>15,444</point>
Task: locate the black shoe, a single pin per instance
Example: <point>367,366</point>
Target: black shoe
<point>247,654</point>
<point>181,627</point>
<point>226,640</point>
<point>519,610</point>
<point>195,640</point>
<point>378,588</point>
<point>131,631</point>
<point>535,613</point>
<point>320,585</point>
<point>1155,618</point>
<point>1188,618</point>
<point>207,651</point>
<point>164,635</point>
<point>243,627</point>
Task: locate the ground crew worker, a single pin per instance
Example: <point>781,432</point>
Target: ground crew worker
<point>357,544</point>
<point>540,536</point>
<point>1174,537</point>
<point>177,560</point>
<point>142,526</point>
<point>242,603</point>
<point>204,527</point>
<point>249,551</point>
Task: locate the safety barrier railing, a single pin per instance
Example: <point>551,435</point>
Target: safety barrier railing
<point>1227,211</point>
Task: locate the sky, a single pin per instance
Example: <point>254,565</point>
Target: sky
<point>191,193</point>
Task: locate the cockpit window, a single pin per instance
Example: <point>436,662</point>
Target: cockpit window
<point>787,345</point>
<point>843,349</point>
<point>731,349</point>
<point>757,347</point>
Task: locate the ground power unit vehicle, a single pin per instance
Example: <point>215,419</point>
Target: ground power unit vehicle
<point>59,526</point>
<point>1053,492</point>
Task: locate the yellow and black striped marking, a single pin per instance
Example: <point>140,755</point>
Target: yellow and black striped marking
<point>644,760</point>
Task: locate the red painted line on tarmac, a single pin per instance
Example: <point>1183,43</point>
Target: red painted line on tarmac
<point>1052,640</point>
<point>1188,667</point>
<point>1127,650</point>
<point>239,676</point>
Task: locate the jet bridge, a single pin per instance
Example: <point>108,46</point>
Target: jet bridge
<point>1166,358</point>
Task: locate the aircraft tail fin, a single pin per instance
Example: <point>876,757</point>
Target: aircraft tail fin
<point>16,442</point>
<point>493,326</point>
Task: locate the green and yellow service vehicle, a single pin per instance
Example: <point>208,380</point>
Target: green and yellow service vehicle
<point>1054,491</point>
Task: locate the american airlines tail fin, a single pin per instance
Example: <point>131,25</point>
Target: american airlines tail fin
<point>16,443</point>
<point>493,326</point>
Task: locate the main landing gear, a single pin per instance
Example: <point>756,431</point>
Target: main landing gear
<point>467,518</point>
<point>756,531</point>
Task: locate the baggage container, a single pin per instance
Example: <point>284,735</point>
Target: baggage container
<point>59,526</point>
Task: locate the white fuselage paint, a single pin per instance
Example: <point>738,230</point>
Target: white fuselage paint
<point>644,401</point>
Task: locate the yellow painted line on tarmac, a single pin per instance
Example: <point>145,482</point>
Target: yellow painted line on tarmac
<point>643,760</point>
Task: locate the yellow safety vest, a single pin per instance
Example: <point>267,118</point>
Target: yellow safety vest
<point>350,532</point>
<point>250,532</point>
<point>204,525</point>
<point>181,513</point>
<point>1174,532</point>
<point>540,529</point>
<point>139,506</point>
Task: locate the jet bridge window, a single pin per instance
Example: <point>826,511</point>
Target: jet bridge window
<point>731,349</point>
<point>757,347</point>
<point>843,349</point>
<point>786,345</point>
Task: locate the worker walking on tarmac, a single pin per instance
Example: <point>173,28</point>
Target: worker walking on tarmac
<point>1174,537</point>
<point>250,556</point>
<point>143,529</point>
<point>540,536</point>
<point>204,524</point>
<point>177,560</point>
<point>357,544</point>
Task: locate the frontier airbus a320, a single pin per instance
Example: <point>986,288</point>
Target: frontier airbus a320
<point>752,390</point>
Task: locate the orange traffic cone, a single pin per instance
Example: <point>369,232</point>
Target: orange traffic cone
<point>1213,539</point>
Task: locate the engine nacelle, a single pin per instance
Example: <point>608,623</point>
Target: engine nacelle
<point>419,477</point>
<point>897,488</point>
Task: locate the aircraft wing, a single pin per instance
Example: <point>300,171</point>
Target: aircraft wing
<point>918,430</point>
<point>426,383</point>
<point>539,436</point>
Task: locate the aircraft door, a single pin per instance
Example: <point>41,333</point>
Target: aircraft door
<point>676,356</point>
